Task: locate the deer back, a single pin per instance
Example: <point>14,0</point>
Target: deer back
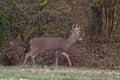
<point>47,43</point>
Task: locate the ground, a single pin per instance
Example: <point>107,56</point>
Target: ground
<point>56,73</point>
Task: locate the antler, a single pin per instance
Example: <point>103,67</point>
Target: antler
<point>77,27</point>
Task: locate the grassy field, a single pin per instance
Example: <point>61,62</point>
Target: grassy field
<point>55,73</point>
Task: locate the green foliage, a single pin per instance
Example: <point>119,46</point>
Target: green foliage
<point>60,7</point>
<point>44,3</point>
<point>29,32</point>
<point>43,11</point>
<point>40,4</point>
<point>20,7</point>
<point>64,31</point>
<point>69,10</point>
<point>4,22</point>
<point>109,3</point>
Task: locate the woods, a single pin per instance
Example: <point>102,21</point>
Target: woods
<point>99,20</point>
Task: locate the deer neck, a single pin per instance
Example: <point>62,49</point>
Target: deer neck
<point>69,42</point>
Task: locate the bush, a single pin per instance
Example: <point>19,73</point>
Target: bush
<point>4,22</point>
<point>13,53</point>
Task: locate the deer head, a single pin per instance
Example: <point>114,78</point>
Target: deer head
<point>75,32</point>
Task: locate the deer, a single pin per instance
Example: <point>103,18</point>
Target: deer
<point>57,44</point>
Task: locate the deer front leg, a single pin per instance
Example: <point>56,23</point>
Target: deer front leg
<point>26,57</point>
<point>68,58</point>
<point>29,54</point>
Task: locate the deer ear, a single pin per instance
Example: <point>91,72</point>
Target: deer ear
<point>75,27</point>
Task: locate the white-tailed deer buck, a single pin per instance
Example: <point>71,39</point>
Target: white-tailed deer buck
<point>59,45</point>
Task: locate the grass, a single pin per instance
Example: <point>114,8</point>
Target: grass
<point>55,73</point>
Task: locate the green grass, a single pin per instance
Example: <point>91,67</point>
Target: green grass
<point>55,73</point>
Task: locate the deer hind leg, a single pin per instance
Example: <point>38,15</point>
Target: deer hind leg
<point>33,59</point>
<point>56,58</point>
<point>34,56</point>
<point>68,58</point>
